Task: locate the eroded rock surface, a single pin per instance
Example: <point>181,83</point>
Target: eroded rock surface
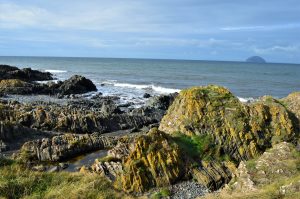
<point>64,146</point>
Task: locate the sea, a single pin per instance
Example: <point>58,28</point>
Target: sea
<point>130,79</point>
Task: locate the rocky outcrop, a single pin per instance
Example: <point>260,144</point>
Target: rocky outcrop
<point>26,86</point>
<point>16,86</point>
<point>275,173</point>
<point>82,116</point>
<point>239,130</point>
<point>26,74</point>
<point>153,161</point>
<point>292,102</point>
<point>64,147</point>
<point>76,85</point>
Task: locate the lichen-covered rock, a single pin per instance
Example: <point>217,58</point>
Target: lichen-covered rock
<point>276,170</point>
<point>16,86</point>
<point>155,160</point>
<point>239,130</point>
<point>292,102</point>
<point>64,146</point>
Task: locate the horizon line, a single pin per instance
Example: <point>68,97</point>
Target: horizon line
<point>163,59</point>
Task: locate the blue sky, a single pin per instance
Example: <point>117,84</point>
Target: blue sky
<point>185,29</point>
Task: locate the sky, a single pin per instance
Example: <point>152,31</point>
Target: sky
<point>230,30</point>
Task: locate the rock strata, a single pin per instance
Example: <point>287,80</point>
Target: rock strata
<point>64,147</point>
<point>239,130</point>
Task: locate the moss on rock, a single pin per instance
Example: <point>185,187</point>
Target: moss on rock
<point>154,161</point>
<point>241,131</point>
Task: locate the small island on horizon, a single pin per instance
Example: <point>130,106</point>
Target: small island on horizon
<point>256,59</point>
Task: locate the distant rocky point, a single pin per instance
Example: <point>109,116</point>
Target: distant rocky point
<point>256,59</point>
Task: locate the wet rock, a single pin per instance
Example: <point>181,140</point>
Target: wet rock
<point>146,95</point>
<point>26,74</point>
<point>77,85</point>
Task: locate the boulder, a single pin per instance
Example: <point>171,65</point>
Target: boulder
<point>77,85</point>
<point>241,131</point>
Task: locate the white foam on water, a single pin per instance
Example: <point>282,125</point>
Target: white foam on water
<point>246,99</point>
<point>158,89</point>
<point>162,90</point>
<point>55,71</point>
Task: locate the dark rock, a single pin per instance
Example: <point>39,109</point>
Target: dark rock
<point>26,74</point>
<point>161,101</point>
<point>146,95</point>
<point>77,85</point>
<point>97,96</point>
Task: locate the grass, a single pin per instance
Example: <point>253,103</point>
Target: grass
<point>196,146</point>
<point>19,182</point>
<point>164,192</point>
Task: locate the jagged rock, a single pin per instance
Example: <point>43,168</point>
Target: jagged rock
<point>77,85</point>
<point>212,175</point>
<point>153,161</point>
<point>82,116</point>
<point>292,101</point>
<point>279,167</point>
<point>64,147</point>
<point>242,179</point>
<point>239,130</point>
<point>26,74</point>
<point>161,101</point>
<point>121,150</point>
<point>109,169</point>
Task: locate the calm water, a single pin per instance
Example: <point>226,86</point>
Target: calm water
<point>131,78</point>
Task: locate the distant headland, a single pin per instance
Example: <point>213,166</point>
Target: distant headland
<point>256,59</point>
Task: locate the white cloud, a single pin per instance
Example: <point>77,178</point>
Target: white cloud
<point>277,48</point>
<point>260,28</point>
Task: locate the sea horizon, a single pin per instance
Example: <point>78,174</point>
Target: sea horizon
<point>142,58</point>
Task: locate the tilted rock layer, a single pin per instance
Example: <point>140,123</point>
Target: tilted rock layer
<point>153,161</point>
<point>239,130</point>
<point>64,146</point>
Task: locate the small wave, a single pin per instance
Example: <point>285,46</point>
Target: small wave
<point>56,71</point>
<point>246,99</point>
<point>158,89</point>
